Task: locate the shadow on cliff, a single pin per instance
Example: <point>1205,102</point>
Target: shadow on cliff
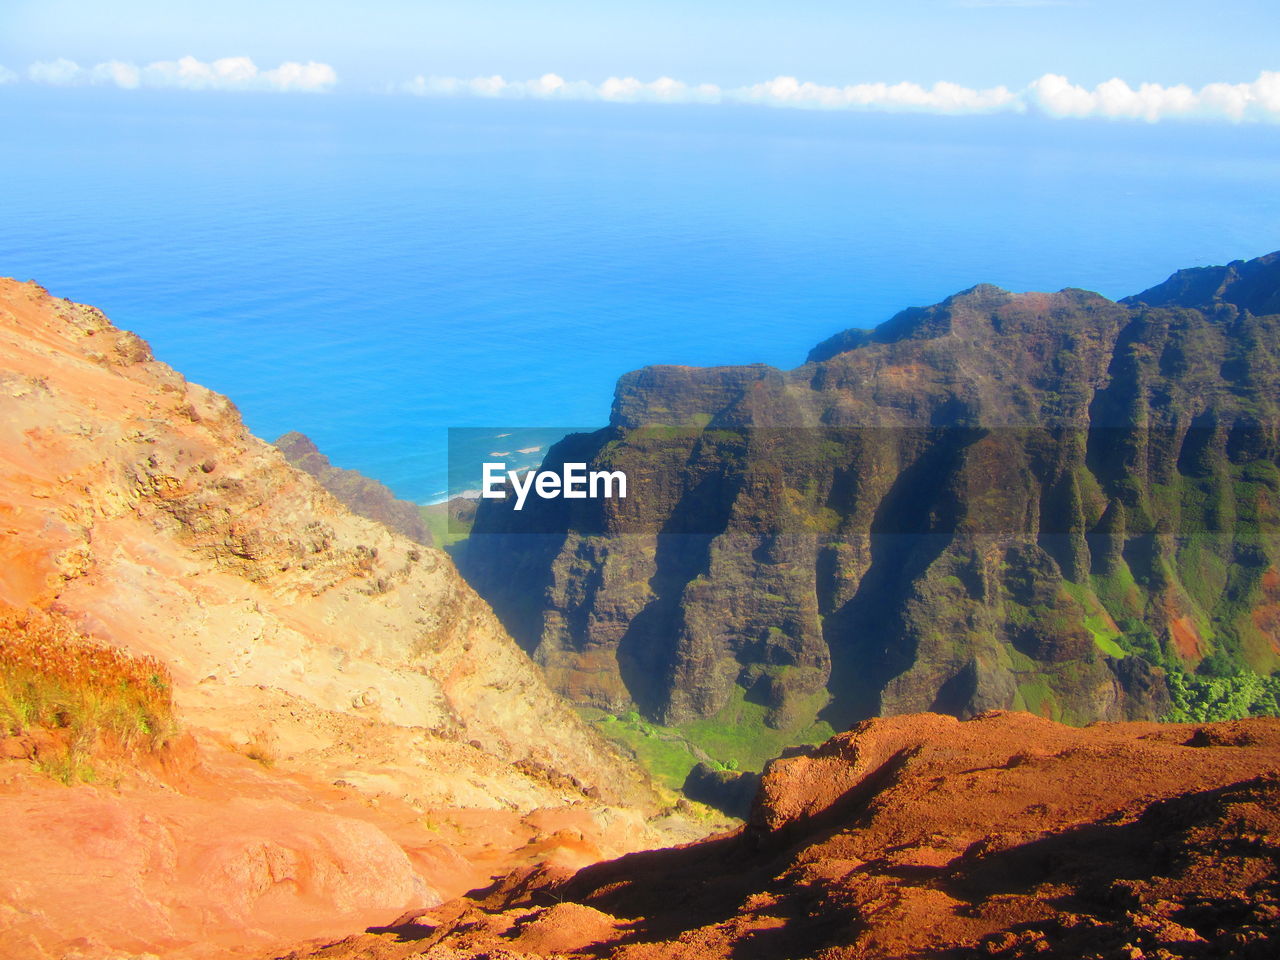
<point>647,650</point>
<point>915,523</point>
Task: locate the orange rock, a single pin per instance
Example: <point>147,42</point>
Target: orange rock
<point>919,836</point>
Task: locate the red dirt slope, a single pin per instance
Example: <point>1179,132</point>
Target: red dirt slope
<point>923,836</point>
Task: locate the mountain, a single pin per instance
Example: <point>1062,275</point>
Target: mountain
<point>1252,285</point>
<point>360,494</point>
<point>231,710</point>
<point>1002,836</point>
<point>1042,501</point>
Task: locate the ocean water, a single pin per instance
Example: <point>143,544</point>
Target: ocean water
<point>374,270</point>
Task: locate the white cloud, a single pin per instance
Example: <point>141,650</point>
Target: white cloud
<point>896,97</point>
<point>662,90</point>
<point>238,73</point>
<point>188,73</point>
<point>1051,95</point>
<point>124,75</point>
<point>1115,100</point>
<point>58,73</point>
<point>780,92</point>
<point>7,75</point>
<point>301,76</point>
<point>551,86</point>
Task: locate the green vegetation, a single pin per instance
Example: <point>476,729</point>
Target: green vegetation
<point>1097,621</point>
<point>738,732</point>
<point>90,696</point>
<point>1202,570</point>
<point>1119,592</point>
<point>661,750</point>
<point>736,738</point>
<point>445,533</point>
<point>1107,644</point>
<point>1036,696</point>
<point>1199,699</point>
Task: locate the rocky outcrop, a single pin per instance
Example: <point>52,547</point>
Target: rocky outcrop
<point>922,836</point>
<point>362,495</point>
<point>321,651</point>
<point>1030,501</point>
<point>726,790</point>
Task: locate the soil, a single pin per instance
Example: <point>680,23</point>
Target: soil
<point>922,836</point>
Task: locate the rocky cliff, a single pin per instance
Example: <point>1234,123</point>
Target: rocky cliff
<point>349,710</point>
<point>1049,502</point>
<point>362,495</point>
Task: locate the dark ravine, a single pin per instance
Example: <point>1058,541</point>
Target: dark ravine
<point>1042,501</point>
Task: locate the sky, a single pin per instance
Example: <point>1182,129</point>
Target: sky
<point>1197,58</point>
<point>971,42</point>
<point>225,97</point>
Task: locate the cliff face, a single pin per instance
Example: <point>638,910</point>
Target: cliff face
<point>1030,501</point>
<point>318,644</point>
<point>360,494</point>
<point>1002,836</point>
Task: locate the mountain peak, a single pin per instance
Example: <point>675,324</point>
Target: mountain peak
<point>1252,285</point>
<point>970,314</point>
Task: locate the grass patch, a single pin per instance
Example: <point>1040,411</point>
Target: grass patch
<point>661,750</point>
<point>262,747</point>
<point>1119,593</point>
<point>1035,695</point>
<point>736,738</point>
<point>436,518</point>
<point>737,735</point>
<point>91,695</point>
<point>1107,644</point>
<point>1096,620</point>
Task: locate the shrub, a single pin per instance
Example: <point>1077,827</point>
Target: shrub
<point>262,748</point>
<point>52,676</point>
<point>1198,699</point>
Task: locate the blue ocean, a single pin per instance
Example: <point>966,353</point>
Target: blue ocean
<point>374,270</point>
